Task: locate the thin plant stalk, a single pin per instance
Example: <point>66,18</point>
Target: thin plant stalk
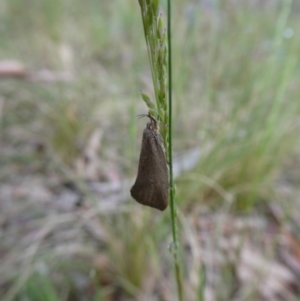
<point>159,47</point>
<point>172,187</point>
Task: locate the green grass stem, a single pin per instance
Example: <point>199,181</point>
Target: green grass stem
<point>172,188</point>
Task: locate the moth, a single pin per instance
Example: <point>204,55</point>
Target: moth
<point>152,184</point>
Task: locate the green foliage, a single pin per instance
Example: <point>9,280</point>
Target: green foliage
<point>135,236</point>
<point>156,41</point>
<point>38,287</point>
<point>248,112</point>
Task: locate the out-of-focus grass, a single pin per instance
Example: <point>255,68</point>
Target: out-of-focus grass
<point>137,236</point>
<point>249,111</point>
<point>39,287</point>
<point>236,74</point>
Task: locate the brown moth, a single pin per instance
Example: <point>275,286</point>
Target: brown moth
<point>152,184</point>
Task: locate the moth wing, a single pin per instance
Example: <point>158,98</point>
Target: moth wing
<point>151,185</point>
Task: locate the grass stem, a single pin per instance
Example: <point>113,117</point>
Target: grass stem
<point>172,188</point>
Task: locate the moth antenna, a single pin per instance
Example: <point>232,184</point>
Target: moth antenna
<point>142,115</point>
<point>151,118</point>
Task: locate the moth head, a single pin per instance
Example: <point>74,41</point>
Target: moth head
<point>152,125</point>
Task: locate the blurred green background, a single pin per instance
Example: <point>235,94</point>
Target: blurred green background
<point>70,79</point>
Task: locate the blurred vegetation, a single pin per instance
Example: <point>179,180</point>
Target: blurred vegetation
<point>236,75</point>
